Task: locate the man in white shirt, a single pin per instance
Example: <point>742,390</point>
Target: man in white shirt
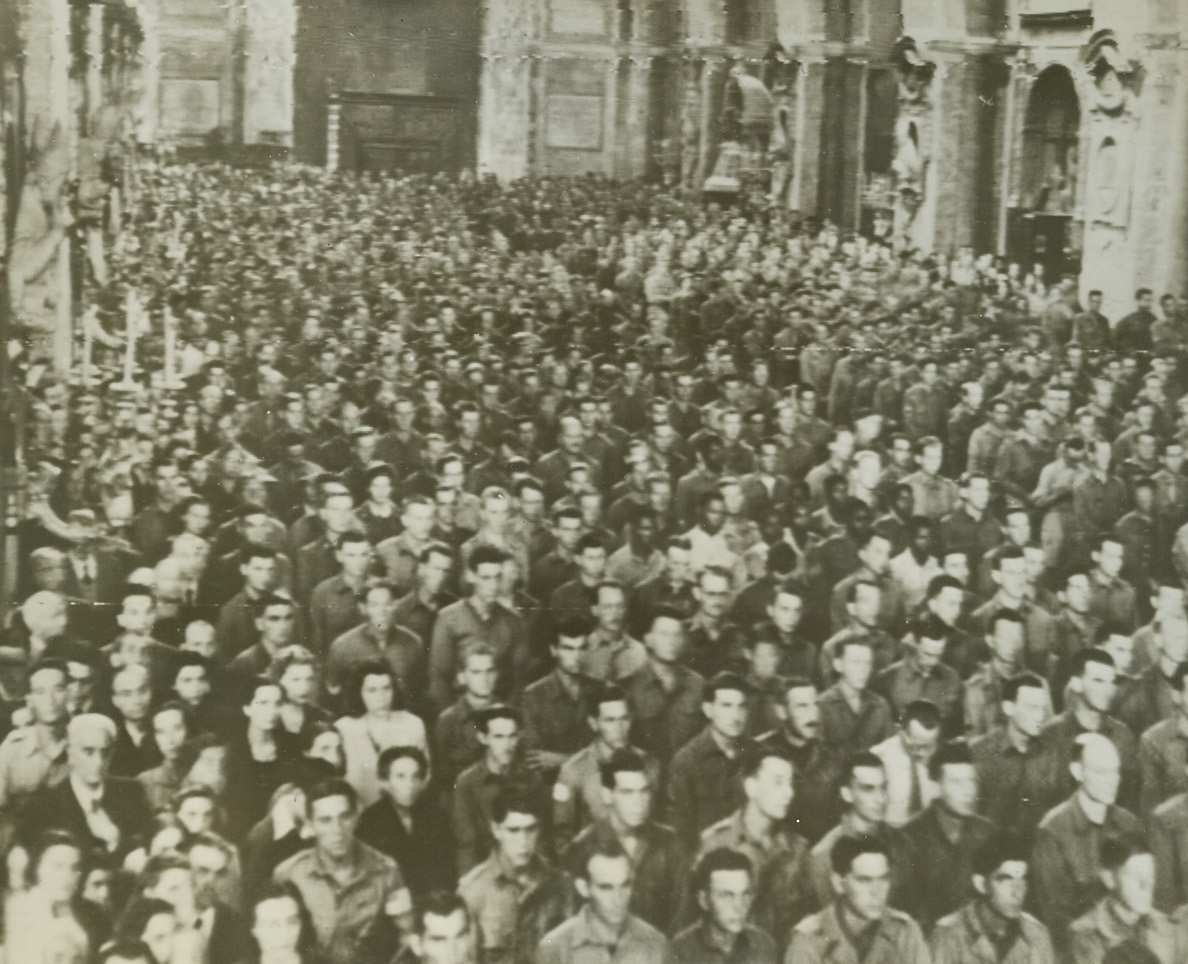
<point>905,759</point>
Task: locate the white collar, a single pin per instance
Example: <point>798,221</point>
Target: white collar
<point>88,797</point>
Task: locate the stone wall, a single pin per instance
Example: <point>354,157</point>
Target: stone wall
<point>1130,213</point>
<point>388,48</point>
<point>269,59</point>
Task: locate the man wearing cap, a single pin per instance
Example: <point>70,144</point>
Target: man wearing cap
<point>264,417</point>
<point>153,524</point>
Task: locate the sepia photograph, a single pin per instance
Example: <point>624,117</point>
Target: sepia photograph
<point>593,482</point>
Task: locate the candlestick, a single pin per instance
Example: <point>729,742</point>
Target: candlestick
<point>88,345</point>
<point>132,326</point>
<point>170,325</point>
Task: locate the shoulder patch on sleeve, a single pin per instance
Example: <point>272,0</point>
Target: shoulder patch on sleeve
<point>399,902</point>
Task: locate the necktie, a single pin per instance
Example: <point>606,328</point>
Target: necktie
<point>916,799</point>
<point>102,826</point>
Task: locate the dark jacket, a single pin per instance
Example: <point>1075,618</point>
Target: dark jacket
<point>425,854</point>
<point>942,875</point>
<point>57,808</point>
<point>661,865</point>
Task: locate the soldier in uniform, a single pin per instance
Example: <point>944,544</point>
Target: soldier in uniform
<point>858,927</point>
<point>993,928</point>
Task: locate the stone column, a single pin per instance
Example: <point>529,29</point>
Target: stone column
<point>805,194</point>
<point>960,156</point>
<point>39,263</point>
<point>270,34</point>
<point>504,120</point>
<point>632,140</point>
<point>94,88</point>
<point>1132,162</point>
<point>148,74</point>
<point>505,141</point>
<point>713,77</point>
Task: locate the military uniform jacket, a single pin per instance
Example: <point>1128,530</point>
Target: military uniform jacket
<point>513,914</point>
<point>1168,829</point>
<point>960,938</point>
<point>1101,929</point>
<point>582,940</point>
<point>820,940</point>
<point>781,886</point>
<point>1066,861</point>
<point>820,882</point>
<point>659,865</point>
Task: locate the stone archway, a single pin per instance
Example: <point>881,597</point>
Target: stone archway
<point>1051,135</point>
<point>1050,174</point>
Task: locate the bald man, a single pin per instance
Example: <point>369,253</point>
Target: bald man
<point>1067,856</point>
<point>44,615</point>
<point>109,814</point>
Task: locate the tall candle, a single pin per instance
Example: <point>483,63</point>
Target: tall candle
<point>129,354</point>
<point>88,339</point>
<point>170,349</point>
<point>132,316</point>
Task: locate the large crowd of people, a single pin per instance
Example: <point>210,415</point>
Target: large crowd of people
<point>575,572</point>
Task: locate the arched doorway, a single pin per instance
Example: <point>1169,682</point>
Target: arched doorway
<point>1048,189</point>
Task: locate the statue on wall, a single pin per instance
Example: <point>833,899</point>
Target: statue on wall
<point>751,103</point>
<point>909,167</point>
<point>45,215</point>
<point>1116,83</point>
<point>1115,77</point>
<point>780,74</point>
<point>690,129</point>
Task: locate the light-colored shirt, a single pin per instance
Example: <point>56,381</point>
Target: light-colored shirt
<point>898,764</point>
<point>584,939</point>
<point>343,912</point>
<point>365,738</point>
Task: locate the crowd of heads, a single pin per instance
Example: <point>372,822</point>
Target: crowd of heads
<point>548,513</point>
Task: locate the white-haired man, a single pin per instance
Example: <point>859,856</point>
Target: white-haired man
<point>110,814</point>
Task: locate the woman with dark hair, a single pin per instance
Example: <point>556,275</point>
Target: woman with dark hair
<point>281,929</point>
<point>50,906</point>
<point>295,669</point>
<point>323,755</point>
<point>377,720</point>
<point>154,923</point>
<point>97,872</point>
<point>171,729</point>
<point>277,837</point>
<point>202,761</point>
<point>259,758</point>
